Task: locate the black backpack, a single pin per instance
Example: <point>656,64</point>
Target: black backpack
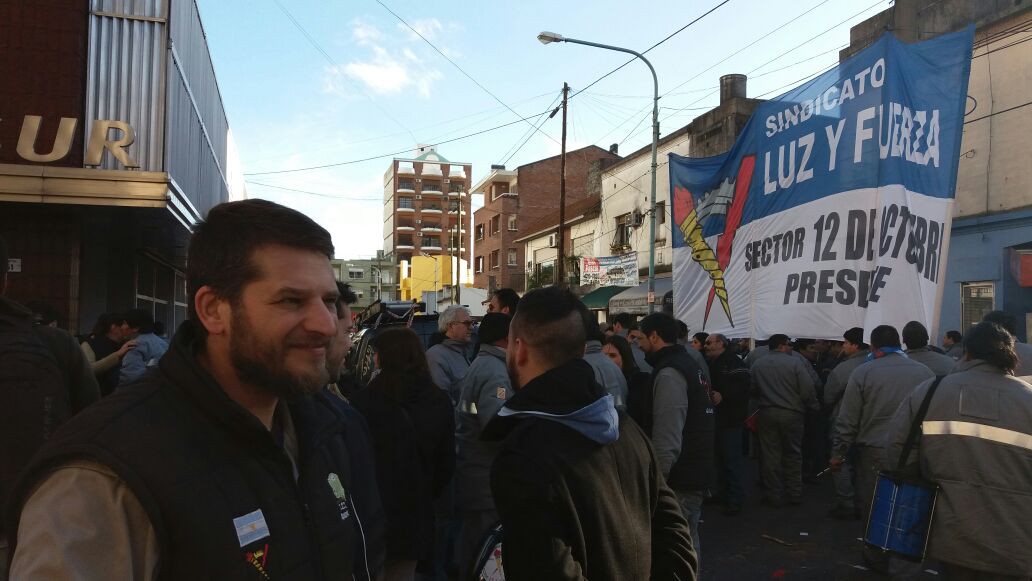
<point>34,400</point>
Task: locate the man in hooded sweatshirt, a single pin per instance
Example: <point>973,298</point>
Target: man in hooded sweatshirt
<point>576,484</point>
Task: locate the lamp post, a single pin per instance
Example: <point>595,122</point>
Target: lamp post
<point>550,37</point>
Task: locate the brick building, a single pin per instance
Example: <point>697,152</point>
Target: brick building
<point>426,208</point>
<point>525,196</point>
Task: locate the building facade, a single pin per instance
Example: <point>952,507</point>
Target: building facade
<point>426,208</point>
<point>524,196</point>
<point>113,143</point>
<point>541,248</point>
<point>989,263</point>
<point>371,279</point>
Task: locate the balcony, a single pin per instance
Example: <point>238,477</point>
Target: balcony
<point>431,247</point>
<point>431,228</point>
<point>406,169</point>
<point>432,169</point>
<point>431,210</point>
<point>431,190</point>
<point>406,188</point>
<point>404,247</point>
<point>404,209</point>
<point>405,228</point>
<point>459,194</point>
<point>456,171</point>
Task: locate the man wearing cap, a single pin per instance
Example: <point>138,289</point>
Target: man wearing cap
<point>484,390</point>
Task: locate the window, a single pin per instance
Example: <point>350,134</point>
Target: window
<point>512,223</point>
<point>405,202</point>
<point>660,212</point>
<point>356,274</point>
<point>406,185</point>
<point>495,224</point>
<point>545,273</point>
<point>480,232</point>
<point>431,187</point>
<point>976,299</point>
<point>404,240</point>
<point>512,257</point>
<point>494,259</point>
<point>431,225</point>
<point>432,207</point>
<point>455,187</point>
<point>499,190</point>
<point>479,264</point>
<point>453,206</point>
<point>624,230</point>
<point>432,241</point>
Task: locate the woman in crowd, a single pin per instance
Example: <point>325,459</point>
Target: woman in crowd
<point>699,341</point>
<point>639,383</point>
<point>413,431</point>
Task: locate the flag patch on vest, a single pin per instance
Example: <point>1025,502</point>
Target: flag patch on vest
<point>251,527</point>
<point>340,494</point>
<point>500,393</point>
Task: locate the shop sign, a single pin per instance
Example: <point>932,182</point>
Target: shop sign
<point>105,135</point>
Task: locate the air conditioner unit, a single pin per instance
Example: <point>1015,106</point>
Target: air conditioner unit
<point>418,221</point>
<point>552,241</point>
<point>419,196</point>
<point>636,219</point>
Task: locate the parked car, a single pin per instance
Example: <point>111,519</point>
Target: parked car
<point>381,315</point>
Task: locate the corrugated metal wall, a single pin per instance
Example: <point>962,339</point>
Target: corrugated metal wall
<point>125,74</point>
<point>197,125</point>
<point>149,65</point>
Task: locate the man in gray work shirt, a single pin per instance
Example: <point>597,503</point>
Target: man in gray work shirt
<point>484,390</point>
<point>683,421</point>
<point>915,336</point>
<point>784,389</point>
<point>873,394</point>
<point>855,351</point>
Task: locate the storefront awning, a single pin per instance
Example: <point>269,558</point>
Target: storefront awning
<point>598,299</point>
<point>633,300</point>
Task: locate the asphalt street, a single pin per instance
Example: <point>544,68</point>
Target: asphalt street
<point>790,543</point>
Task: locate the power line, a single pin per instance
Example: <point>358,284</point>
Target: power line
<point>460,69</point>
<point>309,192</point>
<point>333,63</point>
<point>392,154</point>
<point>675,33</point>
<point>544,117</point>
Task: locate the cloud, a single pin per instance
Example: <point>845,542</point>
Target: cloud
<point>365,34</point>
<point>387,71</point>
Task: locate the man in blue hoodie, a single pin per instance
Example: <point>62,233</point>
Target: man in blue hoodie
<point>576,484</point>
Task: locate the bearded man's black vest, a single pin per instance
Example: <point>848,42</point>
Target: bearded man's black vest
<point>218,488</point>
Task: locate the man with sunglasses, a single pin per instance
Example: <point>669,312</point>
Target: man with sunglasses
<point>448,360</point>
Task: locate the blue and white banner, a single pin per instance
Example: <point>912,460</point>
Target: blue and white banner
<point>619,270</point>
<point>833,208</point>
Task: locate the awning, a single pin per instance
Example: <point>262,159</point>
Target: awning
<point>633,300</point>
<point>598,299</point>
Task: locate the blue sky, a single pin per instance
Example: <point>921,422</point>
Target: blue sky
<point>362,84</point>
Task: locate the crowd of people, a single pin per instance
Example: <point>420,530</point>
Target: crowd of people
<point>232,452</point>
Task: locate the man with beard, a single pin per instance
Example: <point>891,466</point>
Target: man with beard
<point>230,461</point>
<point>579,491</point>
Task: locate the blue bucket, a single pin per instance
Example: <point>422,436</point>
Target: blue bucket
<point>901,515</point>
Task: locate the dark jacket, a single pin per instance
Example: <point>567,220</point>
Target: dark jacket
<point>639,397</point>
<point>45,379</point>
<point>578,489</point>
<point>201,465</point>
<point>687,403</point>
<point>731,380</point>
<point>413,431</point>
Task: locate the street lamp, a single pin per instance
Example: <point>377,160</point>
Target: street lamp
<point>550,37</point>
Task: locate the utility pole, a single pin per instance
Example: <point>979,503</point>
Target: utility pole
<point>560,270</point>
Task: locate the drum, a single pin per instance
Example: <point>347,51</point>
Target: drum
<point>489,558</point>
<point>901,515</point>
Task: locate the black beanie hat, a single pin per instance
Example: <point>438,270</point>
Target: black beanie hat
<point>493,327</point>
